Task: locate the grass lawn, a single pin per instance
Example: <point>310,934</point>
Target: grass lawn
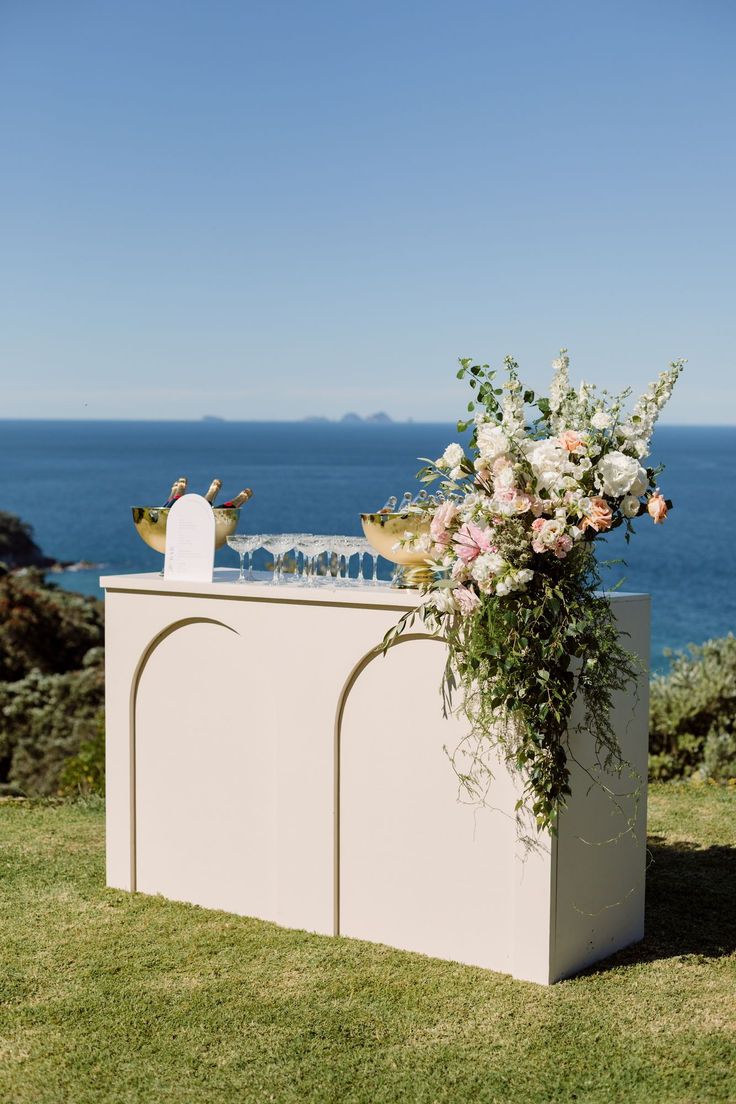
<point>110,997</point>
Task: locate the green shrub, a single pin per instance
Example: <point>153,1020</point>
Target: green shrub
<point>44,720</point>
<point>43,627</point>
<point>692,724</point>
<point>84,773</point>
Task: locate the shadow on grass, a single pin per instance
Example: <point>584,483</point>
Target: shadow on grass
<point>689,905</point>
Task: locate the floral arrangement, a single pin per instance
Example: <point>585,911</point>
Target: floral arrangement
<point>512,526</point>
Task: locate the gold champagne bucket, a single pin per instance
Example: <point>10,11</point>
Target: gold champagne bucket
<point>150,523</point>
<point>383,531</point>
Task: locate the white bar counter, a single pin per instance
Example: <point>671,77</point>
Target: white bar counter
<point>264,759</point>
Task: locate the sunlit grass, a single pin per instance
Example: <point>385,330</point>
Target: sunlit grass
<point>108,996</point>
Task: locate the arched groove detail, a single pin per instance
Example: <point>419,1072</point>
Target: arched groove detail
<point>350,682</point>
<point>135,683</point>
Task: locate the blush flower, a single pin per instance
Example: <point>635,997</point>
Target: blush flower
<point>467,600</point>
<point>657,508</point>
<point>444,516</point>
<point>550,536</point>
<point>571,440</point>
<point>471,540</point>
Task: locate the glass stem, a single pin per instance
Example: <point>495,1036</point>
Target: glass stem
<point>241,577</point>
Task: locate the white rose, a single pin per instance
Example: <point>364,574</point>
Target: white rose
<point>601,420</point>
<point>630,506</point>
<point>524,576</point>
<point>617,475</point>
<point>452,456</point>
<point>492,441</point>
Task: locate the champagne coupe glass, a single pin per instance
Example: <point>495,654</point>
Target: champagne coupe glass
<point>362,548</point>
<point>255,543</point>
<point>278,544</point>
<point>303,542</point>
<point>239,543</point>
<point>353,547</point>
<point>343,549</point>
<point>320,544</point>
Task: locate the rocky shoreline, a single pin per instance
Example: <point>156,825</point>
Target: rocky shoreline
<point>19,551</point>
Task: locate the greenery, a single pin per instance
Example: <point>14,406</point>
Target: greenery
<point>107,996</point>
<point>693,713</point>
<point>51,685</point>
<point>44,627</point>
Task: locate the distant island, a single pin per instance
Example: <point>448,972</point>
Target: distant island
<point>351,418</point>
<point>212,418</point>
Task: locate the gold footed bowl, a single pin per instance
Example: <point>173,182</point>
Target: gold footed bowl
<point>382,531</point>
<point>150,523</point>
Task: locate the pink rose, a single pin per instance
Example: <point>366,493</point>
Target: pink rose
<point>599,515</point>
<point>471,540</point>
<point>467,600</point>
<point>657,508</point>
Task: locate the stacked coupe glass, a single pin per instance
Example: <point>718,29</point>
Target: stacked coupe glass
<point>308,559</point>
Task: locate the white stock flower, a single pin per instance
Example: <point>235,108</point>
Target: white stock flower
<point>452,456</point>
<point>630,506</point>
<point>456,473</point>
<point>601,420</point>
<point>617,474</point>
<point>560,381</point>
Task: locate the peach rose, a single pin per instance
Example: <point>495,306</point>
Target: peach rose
<point>570,440</point>
<point>599,516</point>
<point>657,508</point>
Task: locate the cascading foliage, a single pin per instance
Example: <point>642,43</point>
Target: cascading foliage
<point>512,526</point>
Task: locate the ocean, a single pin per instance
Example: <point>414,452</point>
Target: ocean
<point>76,481</point>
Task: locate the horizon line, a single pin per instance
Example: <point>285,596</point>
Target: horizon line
<point>314,421</point>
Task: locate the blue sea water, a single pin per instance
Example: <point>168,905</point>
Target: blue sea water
<point>76,481</point>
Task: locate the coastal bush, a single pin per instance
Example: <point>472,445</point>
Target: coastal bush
<point>45,719</point>
<point>43,627</point>
<point>84,773</point>
<point>692,724</point>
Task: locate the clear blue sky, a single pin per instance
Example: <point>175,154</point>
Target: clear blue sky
<point>284,208</point>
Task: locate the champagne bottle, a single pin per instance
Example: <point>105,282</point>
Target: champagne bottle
<point>420,499</point>
<point>213,491</point>
<point>239,500</point>
<point>405,503</point>
<point>389,505</point>
<point>177,491</point>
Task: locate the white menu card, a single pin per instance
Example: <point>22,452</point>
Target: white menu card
<point>190,540</point>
